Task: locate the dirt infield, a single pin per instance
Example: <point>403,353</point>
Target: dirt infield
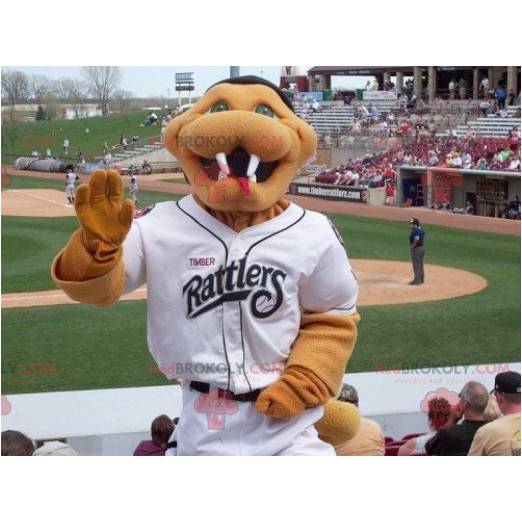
<point>381,283</point>
<point>427,216</point>
<point>35,203</point>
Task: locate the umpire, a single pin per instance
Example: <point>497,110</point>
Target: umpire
<point>417,251</point>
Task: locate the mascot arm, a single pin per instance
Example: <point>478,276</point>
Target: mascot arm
<point>325,341</point>
<point>316,365</point>
<point>96,267</point>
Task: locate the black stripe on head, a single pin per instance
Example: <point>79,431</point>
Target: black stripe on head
<point>257,80</point>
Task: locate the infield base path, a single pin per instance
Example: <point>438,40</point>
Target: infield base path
<point>381,283</point>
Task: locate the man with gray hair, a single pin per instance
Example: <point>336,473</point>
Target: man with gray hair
<point>456,438</point>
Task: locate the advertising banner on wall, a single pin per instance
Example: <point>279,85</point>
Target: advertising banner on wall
<point>379,95</point>
<point>336,192</point>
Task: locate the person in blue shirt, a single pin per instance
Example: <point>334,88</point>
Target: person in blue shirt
<point>417,251</point>
<point>500,95</point>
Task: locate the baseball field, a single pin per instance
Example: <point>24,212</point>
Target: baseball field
<point>72,346</point>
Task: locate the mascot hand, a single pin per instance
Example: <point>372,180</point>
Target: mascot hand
<point>296,390</point>
<point>104,216</point>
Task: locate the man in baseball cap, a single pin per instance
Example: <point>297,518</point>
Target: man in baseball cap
<point>417,251</point>
<point>502,436</point>
<point>369,440</point>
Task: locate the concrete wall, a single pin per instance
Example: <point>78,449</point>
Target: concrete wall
<point>113,422</point>
<point>156,156</point>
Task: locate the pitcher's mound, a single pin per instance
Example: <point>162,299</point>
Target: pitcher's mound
<point>386,282</point>
<point>36,203</point>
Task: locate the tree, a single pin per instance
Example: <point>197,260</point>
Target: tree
<point>101,83</point>
<point>122,100</point>
<point>74,92</point>
<point>39,87</point>
<point>41,113</point>
<point>15,87</point>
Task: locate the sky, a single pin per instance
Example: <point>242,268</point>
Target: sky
<point>154,80</point>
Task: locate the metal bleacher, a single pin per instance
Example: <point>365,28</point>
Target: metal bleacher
<point>489,127</point>
<point>332,118</point>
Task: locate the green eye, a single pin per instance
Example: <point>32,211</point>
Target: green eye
<point>265,110</point>
<point>219,107</point>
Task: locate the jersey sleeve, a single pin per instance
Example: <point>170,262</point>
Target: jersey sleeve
<point>331,286</point>
<point>134,259</point>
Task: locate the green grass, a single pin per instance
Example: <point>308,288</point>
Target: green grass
<point>81,347</point>
<point>22,138</point>
<point>175,180</point>
<point>29,244</point>
<point>72,347</point>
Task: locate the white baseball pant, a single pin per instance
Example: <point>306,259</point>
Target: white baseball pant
<point>212,425</point>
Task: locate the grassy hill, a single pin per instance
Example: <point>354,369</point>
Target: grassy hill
<point>19,139</point>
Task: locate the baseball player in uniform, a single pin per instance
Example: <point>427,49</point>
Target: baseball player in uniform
<point>251,299</point>
<point>70,185</point>
<point>133,188</point>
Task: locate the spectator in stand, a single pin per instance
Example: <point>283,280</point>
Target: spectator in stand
<point>511,98</point>
<point>467,160</point>
<point>462,88</point>
<point>433,159</point>
<point>514,165</point>
<point>66,146</point>
<point>455,438</point>
<point>482,163</point>
<point>514,139</point>
<point>500,95</point>
<point>485,107</point>
<point>161,429</point>
<point>492,411</point>
<point>369,440</point>
<point>484,86</point>
<point>502,436</point>
<point>48,153</point>
<point>439,410</point>
<point>16,444</point>
<point>451,89</point>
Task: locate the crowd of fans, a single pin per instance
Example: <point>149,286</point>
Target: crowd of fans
<point>467,152</point>
<point>480,423</point>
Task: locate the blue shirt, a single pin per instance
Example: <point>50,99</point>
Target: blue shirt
<point>417,233</point>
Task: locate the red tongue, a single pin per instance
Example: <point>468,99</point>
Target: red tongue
<point>245,189</point>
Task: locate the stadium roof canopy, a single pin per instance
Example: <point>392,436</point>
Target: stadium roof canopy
<point>370,70</point>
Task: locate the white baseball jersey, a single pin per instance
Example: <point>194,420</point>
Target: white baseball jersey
<point>224,307</point>
<point>70,178</point>
<point>133,187</point>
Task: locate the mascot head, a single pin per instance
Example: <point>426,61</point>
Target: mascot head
<point>240,144</point>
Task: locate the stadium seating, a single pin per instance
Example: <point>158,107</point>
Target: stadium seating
<point>331,118</point>
<point>489,127</point>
